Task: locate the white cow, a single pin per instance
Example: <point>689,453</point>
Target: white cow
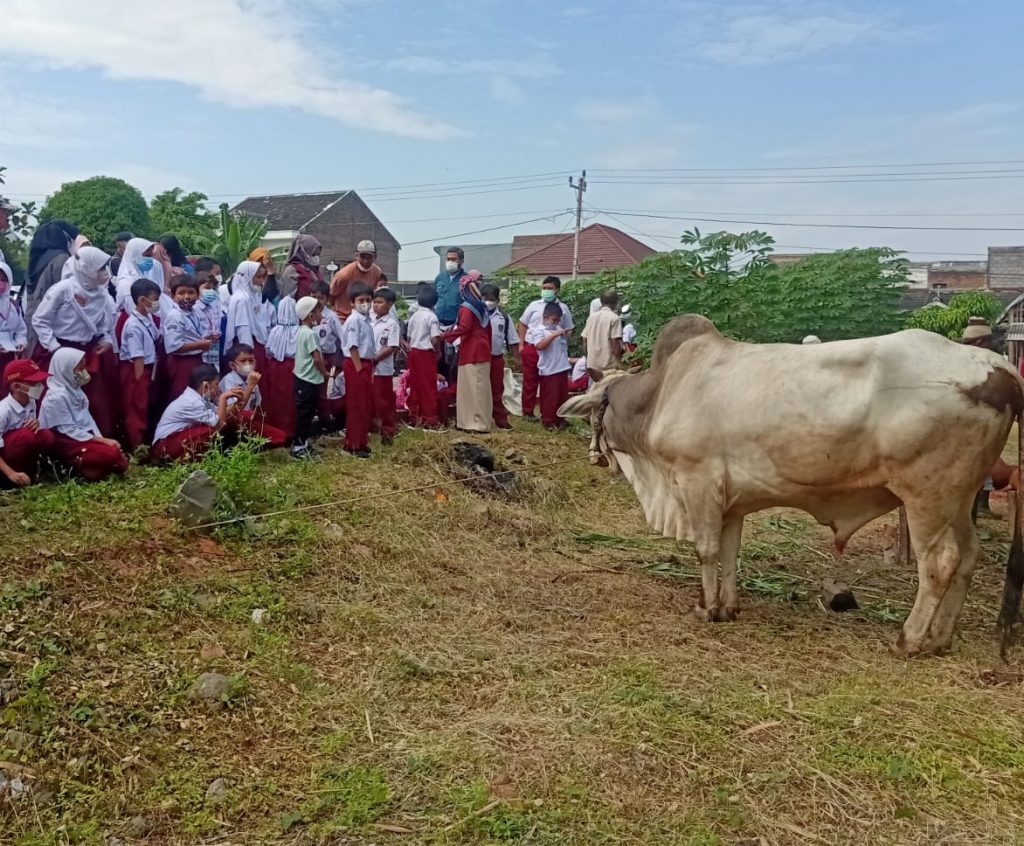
<point>846,431</point>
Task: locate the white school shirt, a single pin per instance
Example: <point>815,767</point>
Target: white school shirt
<point>209,318</point>
<point>182,327</point>
<point>628,333</point>
<point>329,332</point>
<point>190,409</point>
<point>555,357</point>
<point>422,328</point>
<point>14,415</point>
<point>13,330</point>
<point>60,315</point>
<point>233,380</point>
<point>534,315</point>
<point>138,338</point>
<point>503,335</point>
<point>357,332</point>
<point>579,369</point>
<point>386,333</point>
<point>68,414</point>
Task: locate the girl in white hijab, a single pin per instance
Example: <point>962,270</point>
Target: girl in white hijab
<point>279,403</point>
<point>65,411</point>
<point>69,265</point>
<point>136,263</point>
<point>249,318</point>
<point>281,341</point>
<point>13,331</point>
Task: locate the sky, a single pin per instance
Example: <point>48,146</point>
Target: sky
<point>803,119</point>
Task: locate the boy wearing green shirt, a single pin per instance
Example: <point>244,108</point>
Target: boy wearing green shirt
<point>310,373</point>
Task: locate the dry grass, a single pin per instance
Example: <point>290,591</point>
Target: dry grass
<point>456,669</point>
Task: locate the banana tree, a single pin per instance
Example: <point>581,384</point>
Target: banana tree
<point>236,238</point>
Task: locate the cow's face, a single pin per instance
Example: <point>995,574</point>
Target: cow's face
<point>595,404</point>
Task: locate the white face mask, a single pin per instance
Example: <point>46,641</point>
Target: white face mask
<point>451,266</point>
<point>36,391</point>
<point>82,377</point>
<point>154,307</point>
<point>315,261</point>
<point>220,279</point>
<point>244,370</point>
<point>491,305</point>
<point>363,308</point>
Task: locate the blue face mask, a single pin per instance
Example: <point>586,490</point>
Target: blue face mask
<point>209,296</point>
<point>144,265</point>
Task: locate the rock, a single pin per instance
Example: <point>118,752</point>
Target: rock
<point>19,790</point>
<point>8,690</point>
<point>838,597</point>
<point>210,686</point>
<point>309,611</point>
<point>114,841</point>
<point>480,462</point>
<point>138,827</point>
<point>259,615</point>
<point>217,792</point>
<point>209,651</point>
<point>193,503</point>
<point>473,455</point>
<point>19,740</point>
<point>515,457</point>
<point>332,531</point>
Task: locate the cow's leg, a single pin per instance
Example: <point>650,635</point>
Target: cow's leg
<point>729,550</point>
<point>940,636</point>
<point>936,536</point>
<point>708,544</point>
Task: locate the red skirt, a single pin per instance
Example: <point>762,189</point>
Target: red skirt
<point>276,392</point>
<point>531,378</point>
<point>422,402</point>
<point>92,460</point>
<point>104,388</point>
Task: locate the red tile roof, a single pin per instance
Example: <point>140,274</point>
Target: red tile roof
<point>601,248</point>
<point>523,245</point>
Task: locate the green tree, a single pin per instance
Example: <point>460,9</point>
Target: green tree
<point>21,224</point>
<point>185,215</point>
<point>236,238</point>
<point>100,207</point>
<point>951,321</point>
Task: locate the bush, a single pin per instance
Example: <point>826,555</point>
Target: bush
<point>951,321</point>
<point>100,207</point>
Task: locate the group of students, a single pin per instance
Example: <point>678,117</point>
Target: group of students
<point>151,347</point>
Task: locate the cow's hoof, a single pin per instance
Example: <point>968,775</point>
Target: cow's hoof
<point>726,615</point>
<point>903,648</point>
<point>705,615</point>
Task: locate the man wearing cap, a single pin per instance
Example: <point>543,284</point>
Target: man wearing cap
<point>22,442</point>
<point>364,269</point>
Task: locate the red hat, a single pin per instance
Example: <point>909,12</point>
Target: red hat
<point>24,370</point>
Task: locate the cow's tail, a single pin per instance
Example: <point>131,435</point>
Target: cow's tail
<point>1013,587</point>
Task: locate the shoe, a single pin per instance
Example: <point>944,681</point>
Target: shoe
<point>302,452</point>
<point>503,425</point>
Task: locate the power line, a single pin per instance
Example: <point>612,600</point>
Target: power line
<point>448,238</point>
<point>805,167</point>
<point>692,182</point>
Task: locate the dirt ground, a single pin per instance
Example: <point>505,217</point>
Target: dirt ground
<point>447,666</point>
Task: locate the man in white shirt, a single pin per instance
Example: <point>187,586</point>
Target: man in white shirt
<point>602,335</point>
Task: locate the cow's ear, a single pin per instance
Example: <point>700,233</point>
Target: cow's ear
<point>580,406</point>
<point>595,374</point>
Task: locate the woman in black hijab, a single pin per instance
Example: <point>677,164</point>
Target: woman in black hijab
<point>49,249</point>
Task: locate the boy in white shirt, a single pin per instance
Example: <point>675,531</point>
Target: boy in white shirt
<point>189,424</point>
<point>424,334</point>
<point>387,333</point>
<point>22,442</point>
<point>550,339</point>
<point>503,340</point>
<point>531,318</point>
<point>360,349</point>
<point>138,361</point>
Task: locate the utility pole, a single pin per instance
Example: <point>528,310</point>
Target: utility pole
<point>580,188</point>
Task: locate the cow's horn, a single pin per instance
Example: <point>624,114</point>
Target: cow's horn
<point>595,374</point>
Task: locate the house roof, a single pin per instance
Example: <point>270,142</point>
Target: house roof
<point>601,248</point>
<point>289,211</point>
<point>523,245</point>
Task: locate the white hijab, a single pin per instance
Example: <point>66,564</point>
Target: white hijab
<point>89,280</point>
<point>245,300</point>
<point>6,270</point>
<point>281,341</point>
<point>128,272</point>
<point>65,406</point>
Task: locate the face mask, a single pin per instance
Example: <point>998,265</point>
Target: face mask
<point>103,277</point>
<point>363,308</point>
<point>82,377</point>
<point>4,288</point>
<point>144,265</point>
<point>491,305</point>
<point>243,370</point>
<point>35,392</point>
<point>547,295</point>
<point>451,266</point>
<point>154,307</point>
<point>220,278</point>
<point>188,305</point>
<point>209,296</point>
<point>315,261</point>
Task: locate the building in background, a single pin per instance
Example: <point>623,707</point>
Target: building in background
<point>486,258</point>
<point>958,275</point>
<point>601,248</point>
<point>1006,268</point>
<point>338,219</point>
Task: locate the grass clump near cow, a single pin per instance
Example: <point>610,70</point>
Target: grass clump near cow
<point>467,668</point>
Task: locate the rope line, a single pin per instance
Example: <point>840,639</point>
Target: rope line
<point>350,500</point>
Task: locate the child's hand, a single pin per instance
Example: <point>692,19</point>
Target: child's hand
<point>32,425</point>
<point>214,336</point>
<point>253,379</point>
<point>235,393</point>
<point>109,442</point>
<point>18,479</point>
<point>206,343</point>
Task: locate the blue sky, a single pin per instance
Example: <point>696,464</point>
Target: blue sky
<point>234,97</point>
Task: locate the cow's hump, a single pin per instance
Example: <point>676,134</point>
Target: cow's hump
<point>677,332</point>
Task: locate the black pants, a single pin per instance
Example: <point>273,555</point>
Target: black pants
<point>307,398</point>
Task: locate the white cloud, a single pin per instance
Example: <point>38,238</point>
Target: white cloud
<point>30,123</point>
<point>596,110</point>
<point>242,53</point>
<point>750,36</point>
<point>573,13</point>
<point>535,67</point>
<point>507,91</point>
<point>639,154</point>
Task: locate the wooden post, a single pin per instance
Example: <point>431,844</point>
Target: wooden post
<point>903,550</point>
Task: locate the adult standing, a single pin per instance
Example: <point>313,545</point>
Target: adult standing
<point>271,290</point>
<point>603,334</point>
<point>49,249</point>
<point>449,298</point>
<point>301,272</point>
<point>364,269</point>
<point>534,315</point>
<point>474,408</point>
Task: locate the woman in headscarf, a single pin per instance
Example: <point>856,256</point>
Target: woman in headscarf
<point>143,259</point>
<point>65,411</point>
<point>69,266</point>
<point>279,404</point>
<point>50,248</point>
<point>79,313</point>
<point>271,290</point>
<point>249,318</point>
<point>473,404</point>
<point>13,331</point>
<point>176,255</point>
<point>302,268</point>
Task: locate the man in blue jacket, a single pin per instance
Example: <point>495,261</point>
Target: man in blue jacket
<point>449,298</point>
